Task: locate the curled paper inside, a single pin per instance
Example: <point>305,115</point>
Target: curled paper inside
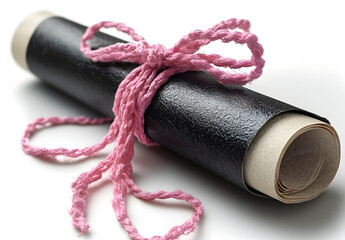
<point>293,158</point>
<point>251,140</point>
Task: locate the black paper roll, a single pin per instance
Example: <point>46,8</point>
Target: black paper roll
<point>192,114</point>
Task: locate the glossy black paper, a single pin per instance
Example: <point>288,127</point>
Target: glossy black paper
<point>192,114</point>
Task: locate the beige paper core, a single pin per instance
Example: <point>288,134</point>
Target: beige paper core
<point>22,36</point>
<point>293,158</point>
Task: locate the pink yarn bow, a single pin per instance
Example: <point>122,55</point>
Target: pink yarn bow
<point>131,100</point>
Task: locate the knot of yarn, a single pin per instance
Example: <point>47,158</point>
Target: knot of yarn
<point>132,98</point>
<point>156,55</point>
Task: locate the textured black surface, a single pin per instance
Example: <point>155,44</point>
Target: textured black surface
<point>193,115</point>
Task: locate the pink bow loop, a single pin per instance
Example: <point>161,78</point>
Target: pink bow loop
<point>182,55</point>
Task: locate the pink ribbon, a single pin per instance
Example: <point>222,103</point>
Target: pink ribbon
<point>132,99</point>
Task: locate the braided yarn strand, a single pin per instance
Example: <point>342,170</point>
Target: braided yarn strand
<point>132,99</point>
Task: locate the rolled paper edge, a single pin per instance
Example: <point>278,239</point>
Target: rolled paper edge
<point>22,36</point>
<point>266,153</point>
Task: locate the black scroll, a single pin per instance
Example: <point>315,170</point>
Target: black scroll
<point>192,114</point>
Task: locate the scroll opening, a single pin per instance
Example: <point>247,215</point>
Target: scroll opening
<point>293,158</point>
<point>308,165</point>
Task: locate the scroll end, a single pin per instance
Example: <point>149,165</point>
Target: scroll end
<point>22,36</point>
<point>293,158</point>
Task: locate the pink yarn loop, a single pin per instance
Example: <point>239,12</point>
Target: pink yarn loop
<point>131,100</point>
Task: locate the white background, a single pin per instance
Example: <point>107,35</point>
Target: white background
<point>304,53</point>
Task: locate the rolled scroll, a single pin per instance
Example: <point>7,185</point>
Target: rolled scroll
<point>258,143</point>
